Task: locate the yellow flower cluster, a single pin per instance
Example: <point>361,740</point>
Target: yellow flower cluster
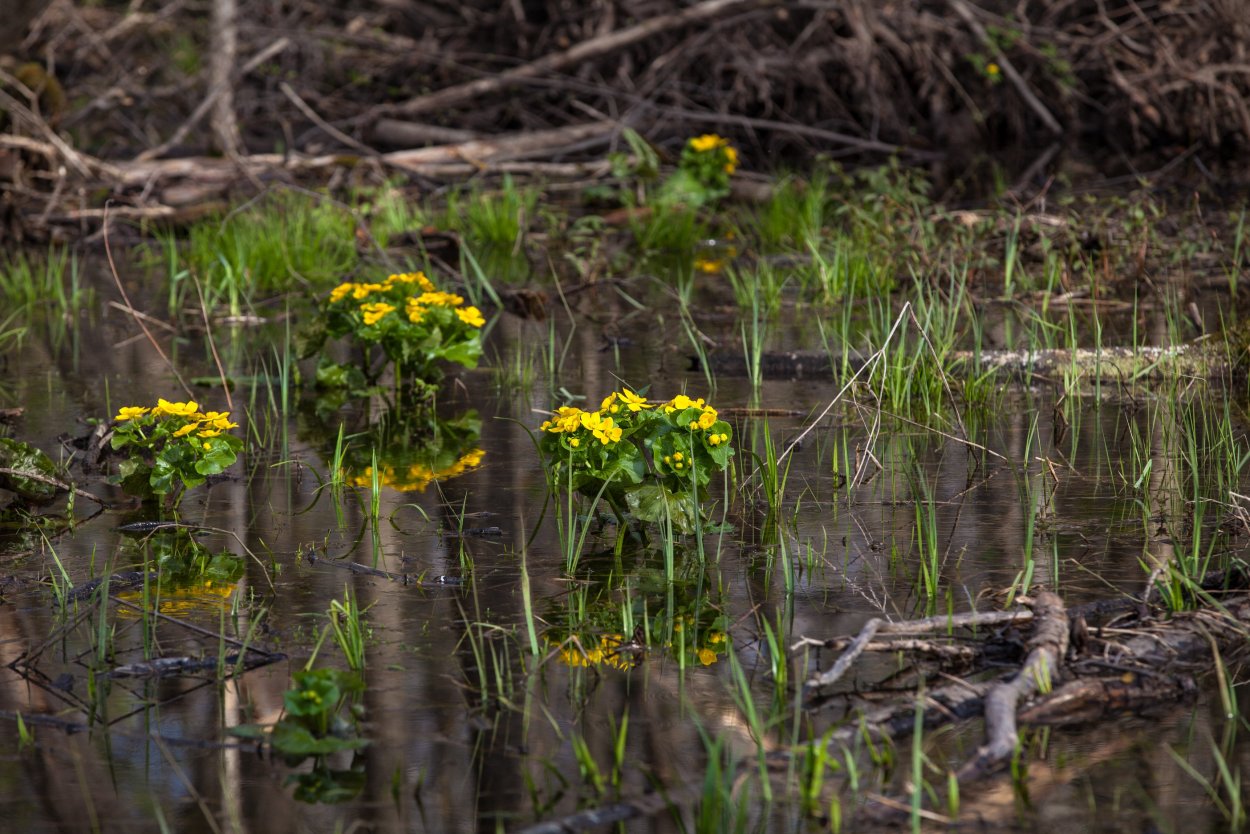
<point>418,476</point>
<point>676,460</point>
<point>205,424</point>
<point>681,402</point>
<point>373,313</point>
<point>625,398</point>
<point>709,142</point>
<point>415,306</point>
<point>604,654</point>
<point>717,439</point>
<point>570,420</point>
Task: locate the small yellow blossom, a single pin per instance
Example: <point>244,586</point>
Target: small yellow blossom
<point>707,657</point>
<point>341,291</point>
<point>716,637</point>
<point>373,313</point>
<point>731,159</point>
<point>567,419</point>
<point>574,442</point>
<point>362,291</point>
<point>209,433</point>
<point>992,70</point>
<point>604,430</point>
<point>435,298</point>
<point>708,142</point>
<point>187,429</point>
<point>632,401</point>
<point>164,408</point>
<point>708,418</point>
<point>130,412</point>
<point>471,316</point>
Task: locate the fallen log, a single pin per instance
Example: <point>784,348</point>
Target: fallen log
<point>1143,364</point>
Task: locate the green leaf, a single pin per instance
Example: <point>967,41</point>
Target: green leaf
<point>26,460</point>
<point>292,739</point>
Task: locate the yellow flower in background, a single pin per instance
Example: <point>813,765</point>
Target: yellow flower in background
<point>992,70</point>
<point>708,142</point>
<point>417,278</point>
<point>373,313</point>
<point>435,298</point>
<point>471,316</point>
<point>341,291</point>
<point>130,412</point>
<point>362,291</point>
<point>731,159</point>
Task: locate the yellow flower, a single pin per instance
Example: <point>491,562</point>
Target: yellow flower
<point>434,298</point>
<point>677,456</point>
<point>567,418</point>
<point>130,412</point>
<point>681,402</point>
<point>414,310</point>
<point>209,433</point>
<point>992,70</point>
<point>709,265</point>
<point>708,418</point>
<point>164,408</point>
<point>341,291</point>
<point>632,401</point>
<point>471,316</point>
<point>187,429</point>
<point>731,159</point>
<point>601,427</point>
<point>716,637</point>
<point>707,657</point>
<point>717,439</point>
<point>362,291</point>
<point>373,313</point>
<point>417,278</point>
<point>708,142</point>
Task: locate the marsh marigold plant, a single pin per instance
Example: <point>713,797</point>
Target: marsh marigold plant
<point>649,460</point>
<point>407,319</point>
<point>172,447</point>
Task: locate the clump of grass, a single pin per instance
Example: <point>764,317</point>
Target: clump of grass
<point>495,220</point>
<point>48,282</point>
<point>270,246</point>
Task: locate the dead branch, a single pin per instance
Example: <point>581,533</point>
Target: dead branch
<point>594,48</point>
<point>1047,647</point>
<point>877,625</point>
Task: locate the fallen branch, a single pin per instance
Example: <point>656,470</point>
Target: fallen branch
<point>1047,647</point>
<point>595,47</point>
<point>879,626</point>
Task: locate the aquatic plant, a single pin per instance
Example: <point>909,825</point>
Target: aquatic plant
<point>650,461</point>
<point>171,448</point>
<point>702,175</point>
<point>407,318</point>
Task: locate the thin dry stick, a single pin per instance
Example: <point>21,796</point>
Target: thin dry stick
<point>108,253</point>
<point>316,119</point>
<point>1009,70</point>
<point>872,360</point>
<point>212,345</point>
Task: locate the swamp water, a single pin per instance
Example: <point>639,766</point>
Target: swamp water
<point>470,728</point>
